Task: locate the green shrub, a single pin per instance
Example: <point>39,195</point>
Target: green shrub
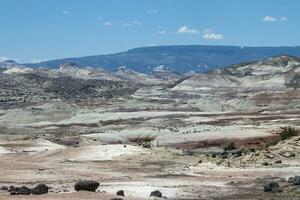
<point>287,132</point>
<point>229,147</point>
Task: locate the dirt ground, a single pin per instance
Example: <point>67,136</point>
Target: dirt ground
<point>136,170</point>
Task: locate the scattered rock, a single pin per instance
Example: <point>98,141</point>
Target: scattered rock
<point>116,199</point>
<point>156,193</point>
<point>20,191</point>
<point>86,185</point>
<point>272,187</point>
<point>10,188</point>
<point>40,189</point>
<point>120,193</point>
<point>238,154</point>
<point>296,180</point>
<point>4,188</point>
<point>291,180</point>
<point>282,180</point>
<point>265,164</point>
<point>278,162</point>
<point>288,154</point>
<point>230,146</point>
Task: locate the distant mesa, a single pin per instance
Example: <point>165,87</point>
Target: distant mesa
<point>180,58</point>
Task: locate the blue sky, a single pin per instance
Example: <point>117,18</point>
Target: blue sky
<point>35,30</point>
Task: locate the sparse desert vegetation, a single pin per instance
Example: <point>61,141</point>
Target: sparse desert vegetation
<point>149,100</point>
<point>288,132</point>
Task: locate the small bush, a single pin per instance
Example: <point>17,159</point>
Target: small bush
<point>287,132</point>
<point>144,141</point>
<point>229,147</point>
<point>140,139</point>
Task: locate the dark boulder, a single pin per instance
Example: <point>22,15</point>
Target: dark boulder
<point>120,193</point>
<point>20,191</point>
<point>296,180</point>
<point>156,193</point>
<point>10,188</point>
<point>40,189</point>
<point>4,188</point>
<point>291,180</point>
<point>86,185</point>
<point>238,153</point>
<point>272,187</point>
<point>116,199</point>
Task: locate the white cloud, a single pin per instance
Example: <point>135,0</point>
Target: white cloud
<point>269,19</point>
<point>213,36</point>
<point>137,22</point>
<point>67,12</point>
<point>208,30</point>
<point>107,24</point>
<point>126,24</point>
<point>283,18</point>
<point>4,58</point>
<point>123,24</point>
<point>153,11</point>
<point>274,19</point>
<point>187,30</point>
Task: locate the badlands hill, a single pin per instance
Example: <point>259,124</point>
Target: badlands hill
<point>264,85</point>
<point>21,85</point>
<point>281,72</point>
<point>269,84</point>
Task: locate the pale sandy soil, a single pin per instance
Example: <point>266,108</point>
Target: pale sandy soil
<point>136,170</point>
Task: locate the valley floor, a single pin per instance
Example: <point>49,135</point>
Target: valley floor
<point>138,150</point>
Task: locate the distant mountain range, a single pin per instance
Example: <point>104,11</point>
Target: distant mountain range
<point>181,59</point>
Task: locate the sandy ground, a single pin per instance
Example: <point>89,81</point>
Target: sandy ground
<point>136,170</point>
